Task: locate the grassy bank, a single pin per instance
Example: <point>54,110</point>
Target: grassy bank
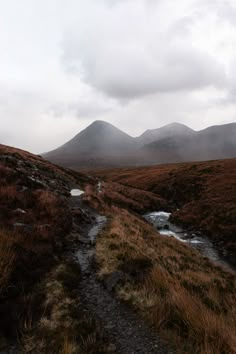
<point>40,307</point>
<point>63,326</point>
<point>186,297</point>
<point>201,194</point>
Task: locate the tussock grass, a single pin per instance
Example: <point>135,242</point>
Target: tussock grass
<point>62,326</point>
<point>37,304</point>
<point>190,299</point>
<point>68,347</point>
<point>203,192</point>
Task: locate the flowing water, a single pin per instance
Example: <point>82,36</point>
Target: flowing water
<point>162,223</point>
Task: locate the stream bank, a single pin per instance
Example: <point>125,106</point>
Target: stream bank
<point>161,221</point>
<point>126,331</point>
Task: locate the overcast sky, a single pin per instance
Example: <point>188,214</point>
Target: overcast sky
<point>137,64</point>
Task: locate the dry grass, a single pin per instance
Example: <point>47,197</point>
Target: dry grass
<point>39,302</point>
<point>203,194</point>
<point>33,220</point>
<point>179,291</point>
<point>63,327</point>
<point>68,346</point>
<point>130,198</point>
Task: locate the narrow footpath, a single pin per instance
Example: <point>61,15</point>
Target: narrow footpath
<point>127,332</point>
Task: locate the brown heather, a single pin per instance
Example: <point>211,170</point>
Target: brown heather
<point>39,301</point>
<point>201,194</point>
<point>188,298</point>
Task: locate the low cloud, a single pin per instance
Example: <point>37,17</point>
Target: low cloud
<point>139,58</point>
<point>138,64</point>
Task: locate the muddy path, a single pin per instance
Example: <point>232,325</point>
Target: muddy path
<point>126,330</point>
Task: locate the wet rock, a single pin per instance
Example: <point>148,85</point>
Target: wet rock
<point>187,237</point>
<point>84,240</point>
<point>36,183</point>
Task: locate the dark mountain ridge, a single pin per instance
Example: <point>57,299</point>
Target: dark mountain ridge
<point>210,143</point>
<point>167,131</point>
<point>99,137</point>
<point>103,145</point>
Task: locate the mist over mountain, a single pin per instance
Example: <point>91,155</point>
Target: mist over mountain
<point>103,145</point>
<point>168,131</point>
<point>99,138</point>
<point>212,143</point>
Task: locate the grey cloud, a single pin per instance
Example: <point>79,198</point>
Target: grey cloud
<point>139,58</point>
<point>225,10</point>
<point>138,64</point>
<point>79,109</point>
<point>126,71</point>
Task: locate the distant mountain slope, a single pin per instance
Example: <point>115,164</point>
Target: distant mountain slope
<point>102,145</point>
<point>212,143</point>
<point>168,131</point>
<point>100,138</point>
<point>98,144</point>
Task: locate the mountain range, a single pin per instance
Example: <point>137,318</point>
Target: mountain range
<point>103,145</point>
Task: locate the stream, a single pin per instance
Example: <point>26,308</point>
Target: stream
<point>161,222</point>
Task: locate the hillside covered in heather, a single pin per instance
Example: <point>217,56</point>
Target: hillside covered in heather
<point>80,267</point>
<point>40,310</point>
<point>201,195</point>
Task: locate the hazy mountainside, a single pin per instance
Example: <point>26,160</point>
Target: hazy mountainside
<point>103,145</point>
<point>168,131</point>
<point>211,143</point>
<point>99,139</point>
